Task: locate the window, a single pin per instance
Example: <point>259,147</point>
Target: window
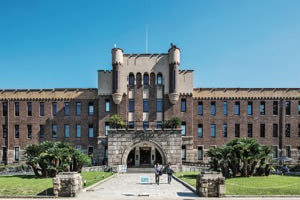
<point>200,108</point>
<point>4,108</point>
<point>224,130</point>
<point>200,130</point>
<point>17,131</point>
<point>107,105</point>
<point>146,105</point>
<point>17,109</point>
<point>159,79</point>
<point>183,153</point>
<point>67,108</point>
<point>262,110</point>
<point>78,130</point>
<point>159,107</point>
<point>262,130</point>
<point>67,131</point>
<point>275,151</point>
<point>288,107</point>
<point>42,109</point>
<point>212,130</point>
<point>54,131</point>
<point>250,130</point>
<point>146,80</point>
<point>287,130</point>
<point>4,154</point>
<point>159,124</point>
<point>288,151</point>
<point>106,152</point>
<point>29,108</point>
<point>29,131</point>
<point>106,128</point>
<point>183,126</point>
<point>17,154</point>
<point>54,108</point>
<point>237,108</point>
<point>91,130</point>
<point>200,153</point>
<point>131,105</point>
<point>42,131</point>
<point>78,108</point>
<point>224,107</point>
<point>298,130</point>
<point>275,107</point>
<point>90,150</point>
<point>275,130</point>
<point>131,80</point>
<point>298,107</point>
<point>237,130</point>
<point>183,105</point>
<point>298,153</point>
<point>146,125</point>
<point>213,108</point>
<point>78,147</point>
<point>131,124</point>
<point>250,108</point>
<point>4,129</point>
<point>91,108</point>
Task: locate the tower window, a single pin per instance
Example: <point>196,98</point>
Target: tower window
<point>42,131</point>
<point>106,128</point>
<point>237,108</point>
<point>78,130</point>
<point>54,108</point>
<point>183,105</point>
<point>288,107</point>
<point>262,108</point>
<point>224,130</point>
<point>200,108</point>
<point>200,153</point>
<point>275,107</point>
<point>146,80</point>
<point>159,106</point>
<point>237,130</point>
<point>67,131</point>
<point>78,108</point>
<point>131,105</point>
<point>213,108</point>
<point>224,107</point>
<point>29,131</point>
<point>42,108</point>
<point>29,108</point>
<point>200,130</point>
<point>159,79</point>
<point>91,108</point>
<point>262,130</point>
<point>107,105</point>
<point>4,108</point>
<point>183,153</point>
<point>54,131</point>
<point>131,80</point>
<point>183,128</point>
<point>275,130</point>
<point>17,131</point>
<point>212,130</point>
<point>250,130</point>
<point>67,108</point>
<point>250,108</point>
<point>17,109</point>
<point>287,130</point>
<point>91,130</point>
<point>146,105</point>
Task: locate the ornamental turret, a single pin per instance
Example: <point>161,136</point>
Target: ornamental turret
<point>117,63</point>
<point>174,62</point>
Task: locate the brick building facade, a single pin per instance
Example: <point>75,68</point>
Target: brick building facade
<point>145,90</point>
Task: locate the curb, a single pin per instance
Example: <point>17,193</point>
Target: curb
<point>28,197</point>
<point>98,183</point>
<point>192,188</point>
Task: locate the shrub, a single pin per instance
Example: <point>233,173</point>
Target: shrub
<point>173,122</point>
<point>115,121</point>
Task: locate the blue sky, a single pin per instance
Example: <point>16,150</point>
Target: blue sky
<point>229,43</point>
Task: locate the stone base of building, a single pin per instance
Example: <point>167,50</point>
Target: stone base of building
<point>67,184</point>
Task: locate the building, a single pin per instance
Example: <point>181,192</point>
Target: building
<point>145,90</point>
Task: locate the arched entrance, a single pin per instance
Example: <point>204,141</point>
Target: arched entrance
<point>143,154</point>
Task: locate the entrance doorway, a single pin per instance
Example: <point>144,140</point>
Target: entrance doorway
<point>145,153</point>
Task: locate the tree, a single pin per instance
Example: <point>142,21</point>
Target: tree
<point>115,121</point>
<point>173,122</point>
<point>49,158</point>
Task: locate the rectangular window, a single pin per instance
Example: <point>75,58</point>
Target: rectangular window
<point>4,154</point>
<point>91,108</point>
<point>106,128</point>
<point>275,130</point>
<point>287,107</point>
<point>54,108</point>
<point>4,129</point>
<point>183,105</point>
<point>107,105</point>
<point>159,107</point>
<point>78,108</point>
<point>183,153</point>
<point>288,151</point>
<point>183,127</point>
<point>159,124</point>
<point>250,108</point>
<point>298,130</point>
<point>224,107</point>
<point>131,125</point>
<point>224,130</point>
<point>275,107</point>
<point>29,108</point>
<point>67,131</point>
<point>237,130</point>
<point>146,125</point>
<point>200,153</point>
<point>213,130</point>
<point>54,130</point>
<point>42,131</point>
<point>42,109</point>
<point>67,108</point>
<point>262,110</point>
<point>17,131</point>
<point>90,150</point>
<point>200,130</point>
<point>287,130</point>
<point>106,152</point>
<point>298,152</point>
<point>78,130</point>
<point>200,108</point>
<point>262,130</point>
<point>250,130</point>
<point>275,151</point>
<point>298,107</point>
<point>17,154</point>
<point>237,108</point>
<point>91,130</point>
<point>17,109</point>
<point>131,105</point>
<point>4,108</point>
<point>29,131</point>
<point>213,108</point>
<point>146,105</point>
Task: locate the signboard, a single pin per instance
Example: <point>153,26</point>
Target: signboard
<point>145,179</point>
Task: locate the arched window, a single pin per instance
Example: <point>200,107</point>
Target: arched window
<point>138,79</point>
<point>131,79</point>
<point>146,79</point>
<point>159,79</point>
<point>152,78</point>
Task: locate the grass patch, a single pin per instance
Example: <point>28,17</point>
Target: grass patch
<point>29,185</point>
<point>264,185</point>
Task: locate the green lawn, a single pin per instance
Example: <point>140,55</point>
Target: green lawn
<point>29,185</point>
<point>266,185</point>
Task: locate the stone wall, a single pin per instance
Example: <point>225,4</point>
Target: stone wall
<point>210,184</point>
<point>67,184</point>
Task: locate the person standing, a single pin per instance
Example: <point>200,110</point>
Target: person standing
<point>169,172</point>
<point>158,172</point>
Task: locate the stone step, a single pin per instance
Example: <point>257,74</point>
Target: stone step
<point>140,170</point>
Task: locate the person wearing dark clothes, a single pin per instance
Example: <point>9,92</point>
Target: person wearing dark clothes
<point>158,172</point>
<point>169,171</point>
